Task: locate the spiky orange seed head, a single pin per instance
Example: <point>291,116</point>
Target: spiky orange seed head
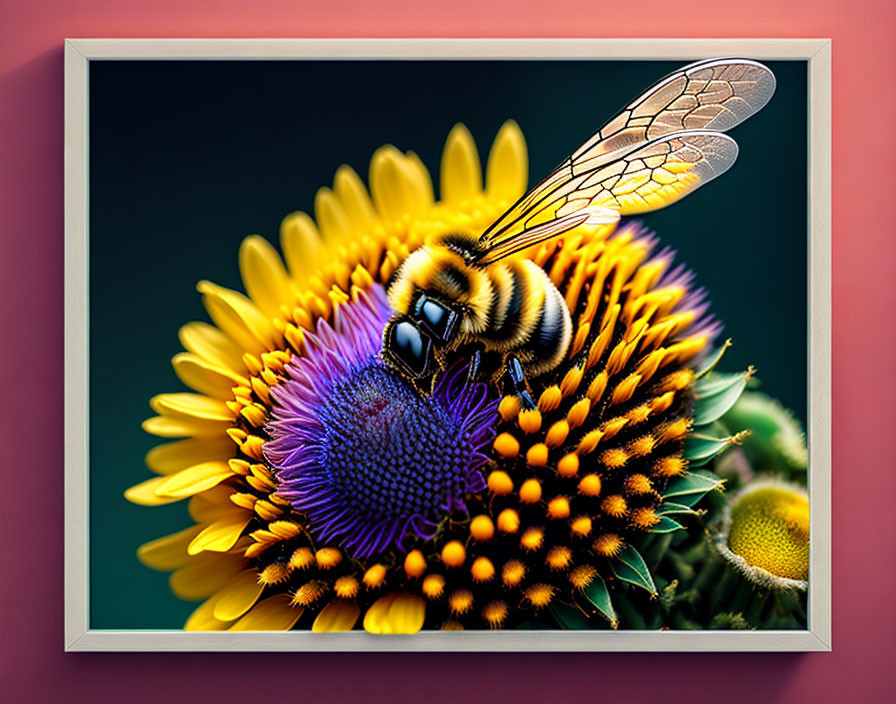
<point>558,557</point>
<point>327,558</point>
<point>495,613</point>
<point>346,587</point>
<point>512,573</point>
<point>460,601</point>
<point>582,576</point>
<point>301,559</point>
<point>608,545</point>
<point>482,570</point>
<point>580,526</point>
<point>532,538</point>
<point>539,595</point>
<point>433,586</point>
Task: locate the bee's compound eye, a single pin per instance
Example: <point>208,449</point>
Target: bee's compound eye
<point>410,347</point>
<point>438,318</point>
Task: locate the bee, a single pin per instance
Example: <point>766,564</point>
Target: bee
<point>464,289</point>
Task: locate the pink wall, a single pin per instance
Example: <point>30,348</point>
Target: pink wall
<point>33,667</point>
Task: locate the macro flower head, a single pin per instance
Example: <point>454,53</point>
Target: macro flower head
<point>356,448</point>
<point>329,491</point>
<point>457,413</point>
<point>764,534</point>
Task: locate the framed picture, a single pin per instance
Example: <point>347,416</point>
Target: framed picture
<point>429,390</point>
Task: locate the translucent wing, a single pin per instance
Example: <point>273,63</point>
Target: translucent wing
<point>712,95</point>
<point>629,167</point>
<point>650,177</point>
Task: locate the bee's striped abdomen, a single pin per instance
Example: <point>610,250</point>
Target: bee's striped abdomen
<point>549,339</point>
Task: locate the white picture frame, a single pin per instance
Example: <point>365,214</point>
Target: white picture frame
<point>78,55</point>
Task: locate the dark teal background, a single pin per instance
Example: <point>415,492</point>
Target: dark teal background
<point>187,158</point>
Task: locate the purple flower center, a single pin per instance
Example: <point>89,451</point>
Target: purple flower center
<point>364,455</point>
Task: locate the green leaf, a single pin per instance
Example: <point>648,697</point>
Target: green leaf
<point>599,596</point>
<point>716,394</point>
<point>670,508</point>
<point>666,525</point>
<point>568,617</point>
<point>700,449</point>
<point>692,487</point>
<point>630,567</point>
<point>710,362</point>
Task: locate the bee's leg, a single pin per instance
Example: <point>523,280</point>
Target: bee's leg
<point>475,363</point>
<point>439,354</point>
<point>518,380</point>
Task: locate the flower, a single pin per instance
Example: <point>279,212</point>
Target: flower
<point>357,449</point>
<point>326,490</point>
<point>764,533</point>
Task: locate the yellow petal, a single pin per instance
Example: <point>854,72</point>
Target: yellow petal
<point>193,479</point>
<point>406,614</point>
<point>395,187</point>
<point>264,276</point>
<point>205,377</point>
<point>302,246</point>
<point>204,575</point>
<point>421,178</point>
<point>174,456</point>
<point>144,493</point>
<point>339,615</point>
<point>169,552</point>
<point>211,505</point>
<point>272,614</point>
<point>507,171</point>
<point>331,218</point>
<point>203,619</point>
<point>375,619</point>
<point>167,427</point>
<point>461,176</point>
<point>221,535</point>
<point>189,406</point>
<point>212,345</point>
<point>239,317</point>
<point>354,199</point>
<point>238,596</point>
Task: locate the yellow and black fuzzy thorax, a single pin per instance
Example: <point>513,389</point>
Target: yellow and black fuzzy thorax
<point>508,306</point>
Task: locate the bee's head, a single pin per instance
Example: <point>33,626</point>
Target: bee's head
<point>407,348</point>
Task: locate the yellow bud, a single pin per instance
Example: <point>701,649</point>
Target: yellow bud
<point>590,485</point>
<point>482,528</point>
<point>375,576</point>
<point>559,508</point>
<point>454,554</point>
<point>506,445</point>
<point>508,521</point>
<point>530,491</point>
<point>482,569</point>
<point>414,564</point>
<point>500,483</point>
